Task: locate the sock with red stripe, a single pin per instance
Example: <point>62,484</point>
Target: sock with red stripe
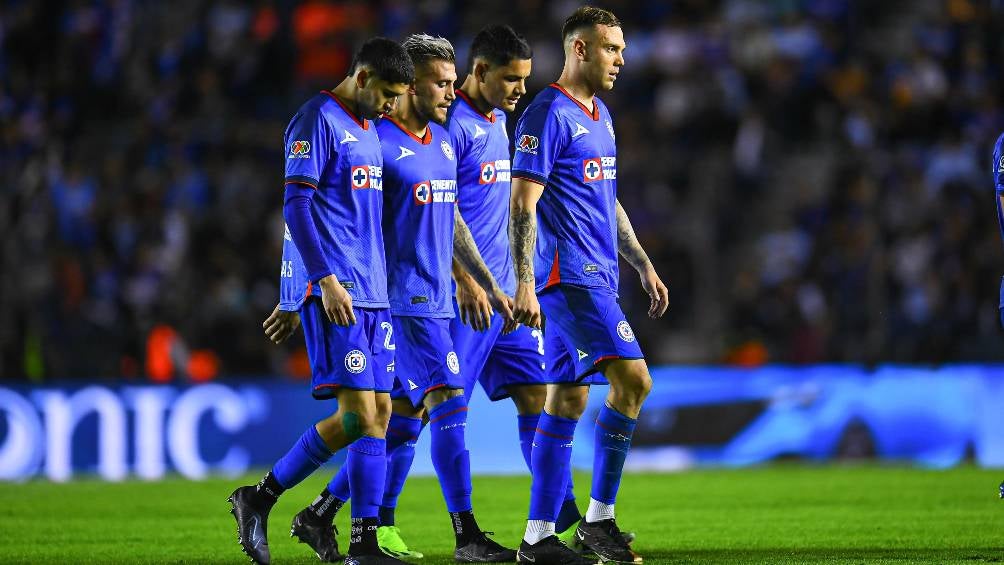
<point>551,464</point>
<point>447,423</point>
<point>569,514</point>
<point>612,442</point>
<point>402,433</point>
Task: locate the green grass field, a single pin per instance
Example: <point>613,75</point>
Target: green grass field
<point>787,514</point>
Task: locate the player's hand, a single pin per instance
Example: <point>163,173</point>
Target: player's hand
<point>503,305</point>
<point>526,308</point>
<point>337,302</point>
<point>475,308</point>
<point>657,292</point>
<point>280,325</point>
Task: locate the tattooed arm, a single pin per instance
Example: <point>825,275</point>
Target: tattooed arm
<point>465,252</point>
<point>523,239</point>
<point>631,250</point>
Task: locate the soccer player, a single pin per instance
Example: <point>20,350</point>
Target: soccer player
<point>566,229</point>
<point>333,207</point>
<point>424,233</point>
<point>998,176</point>
<point>506,364</point>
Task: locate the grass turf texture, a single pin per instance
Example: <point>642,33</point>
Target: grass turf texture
<point>776,514</point>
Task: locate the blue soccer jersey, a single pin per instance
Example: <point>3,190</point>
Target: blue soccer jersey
<point>998,176</point>
<point>338,154</point>
<point>483,183</point>
<point>421,195</point>
<point>570,150</point>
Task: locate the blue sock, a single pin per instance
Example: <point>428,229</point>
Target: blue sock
<point>339,484</point>
<point>527,429</point>
<point>367,470</point>
<point>551,462</point>
<point>402,433</point>
<point>450,457</point>
<point>612,442</point>
<point>302,459</point>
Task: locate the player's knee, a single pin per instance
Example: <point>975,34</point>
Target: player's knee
<point>567,401</point>
<point>441,395</point>
<point>352,426</point>
<point>383,410</point>
<point>529,399</point>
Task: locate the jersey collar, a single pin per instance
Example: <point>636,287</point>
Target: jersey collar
<point>463,96</point>
<point>424,140</point>
<point>595,114</point>
<point>362,123</point>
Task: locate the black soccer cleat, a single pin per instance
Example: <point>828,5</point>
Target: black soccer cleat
<point>483,549</point>
<point>252,524</point>
<point>318,534</point>
<point>378,559</point>
<point>1002,490</point>
<point>550,551</point>
<point>605,539</point>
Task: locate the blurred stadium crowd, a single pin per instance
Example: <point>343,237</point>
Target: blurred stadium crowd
<point>811,177</point>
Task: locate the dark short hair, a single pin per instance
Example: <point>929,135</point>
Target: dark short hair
<point>423,48</point>
<point>586,17</point>
<point>387,59</point>
<point>499,44</point>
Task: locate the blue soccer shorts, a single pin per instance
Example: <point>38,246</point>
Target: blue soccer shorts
<point>498,361</point>
<point>425,358</point>
<point>358,357</point>
<point>583,326</point>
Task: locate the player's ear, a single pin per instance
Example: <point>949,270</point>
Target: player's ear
<point>361,77</point>
<point>411,88</point>
<point>480,70</point>
<point>579,48</point>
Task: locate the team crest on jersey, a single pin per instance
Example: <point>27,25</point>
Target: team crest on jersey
<point>624,331</point>
<point>422,193</point>
<point>610,128</point>
<point>355,362</point>
<point>528,144</point>
<point>599,168</point>
<point>1000,165</point>
<point>299,150</point>
<point>452,363</point>
<point>447,150</point>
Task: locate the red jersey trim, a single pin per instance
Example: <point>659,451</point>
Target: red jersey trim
<point>314,186</point>
<point>448,414</point>
<point>595,114</point>
<point>554,277</point>
<point>362,123</point>
<point>427,139</point>
<point>463,96</point>
<point>531,179</point>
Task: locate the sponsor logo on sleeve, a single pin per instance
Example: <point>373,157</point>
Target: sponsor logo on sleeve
<point>528,144</point>
<point>610,128</point>
<point>299,150</point>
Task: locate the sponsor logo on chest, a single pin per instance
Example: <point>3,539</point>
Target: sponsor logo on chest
<point>366,176</point>
<point>599,168</point>
<point>495,171</point>
<point>434,192</point>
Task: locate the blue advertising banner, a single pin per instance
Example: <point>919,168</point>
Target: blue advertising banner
<point>694,416</point>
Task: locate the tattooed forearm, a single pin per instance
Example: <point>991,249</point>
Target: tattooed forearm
<point>465,252</point>
<point>627,242</point>
<point>523,236</point>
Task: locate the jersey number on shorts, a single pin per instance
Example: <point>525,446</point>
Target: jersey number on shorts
<point>540,340</point>
<point>390,334</point>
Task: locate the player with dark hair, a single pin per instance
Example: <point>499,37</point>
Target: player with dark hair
<point>424,234</point>
<point>333,207</point>
<point>566,228</point>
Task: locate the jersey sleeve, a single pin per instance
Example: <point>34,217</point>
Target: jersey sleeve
<point>307,148</point>
<point>998,165</point>
<point>540,138</point>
